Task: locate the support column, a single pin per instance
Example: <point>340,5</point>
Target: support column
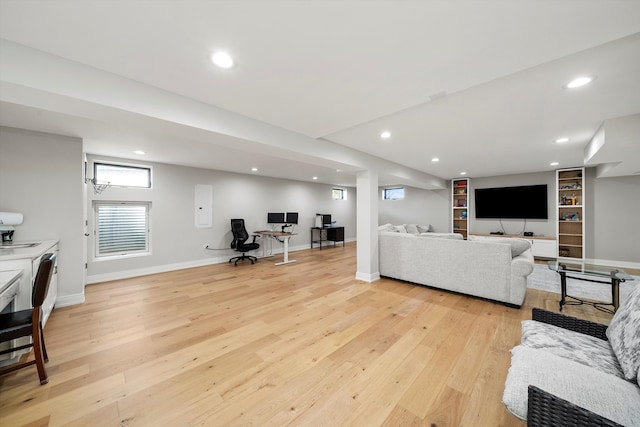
<point>367,268</point>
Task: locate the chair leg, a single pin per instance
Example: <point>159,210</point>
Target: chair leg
<point>37,349</point>
<point>44,347</point>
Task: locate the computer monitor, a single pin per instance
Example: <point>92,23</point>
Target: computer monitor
<point>275,218</point>
<point>292,218</point>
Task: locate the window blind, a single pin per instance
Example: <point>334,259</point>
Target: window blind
<point>122,228</point>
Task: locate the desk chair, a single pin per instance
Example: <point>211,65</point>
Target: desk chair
<point>240,236</point>
<point>28,323</point>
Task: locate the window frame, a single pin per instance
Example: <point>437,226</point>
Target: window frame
<point>384,193</point>
<point>343,193</point>
<point>97,163</point>
<point>98,256</point>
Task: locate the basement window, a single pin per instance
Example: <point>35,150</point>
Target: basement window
<point>339,194</point>
<point>122,175</point>
<point>393,193</point>
<point>122,228</point>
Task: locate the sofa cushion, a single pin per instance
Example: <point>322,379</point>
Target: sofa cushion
<point>518,246</point>
<point>624,335</point>
<point>580,348</point>
<point>603,394</point>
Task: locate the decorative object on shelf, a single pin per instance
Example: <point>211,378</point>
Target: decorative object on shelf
<point>570,216</point>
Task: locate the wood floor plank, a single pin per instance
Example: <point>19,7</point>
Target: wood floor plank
<point>300,344</point>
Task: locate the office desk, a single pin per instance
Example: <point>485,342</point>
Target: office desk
<point>331,234</point>
<point>285,237</point>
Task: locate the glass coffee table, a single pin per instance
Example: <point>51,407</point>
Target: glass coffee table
<point>589,273</point>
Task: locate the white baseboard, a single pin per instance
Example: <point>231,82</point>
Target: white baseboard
<point>366,277</point>
<point>127,274</point>
<point>612,263</point>
<point>67,300</point>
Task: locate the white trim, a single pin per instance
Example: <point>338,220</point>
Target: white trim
<point>612,263</point>
<point>67,300</point>
<point>126,274</point>
<point>365,277</point>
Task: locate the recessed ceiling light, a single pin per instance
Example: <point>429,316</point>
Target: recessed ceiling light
<point>554,164</point>
<point>463,173</point>
<point>254,169</point>
<point>385,135</point>
<point>578,82</point>
<point>338,170</point>
<point>139,152</point>
<point>222,59</point>
<point>435,159</point>
<point>561,140</point>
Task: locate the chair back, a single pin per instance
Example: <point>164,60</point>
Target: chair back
<point>43,277</point>
<point>240,234</point>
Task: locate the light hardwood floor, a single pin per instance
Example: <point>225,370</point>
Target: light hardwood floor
<point>303,344</point>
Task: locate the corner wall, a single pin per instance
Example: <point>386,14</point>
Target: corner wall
<point>41,177</point>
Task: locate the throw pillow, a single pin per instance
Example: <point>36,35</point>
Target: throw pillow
<point>425,228</point>
<point>411,228</point>
<point>400,228</point>
<point>624,335</point>
<point>386,227</point>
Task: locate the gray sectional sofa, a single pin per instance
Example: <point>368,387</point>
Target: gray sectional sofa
<point>496,270</point>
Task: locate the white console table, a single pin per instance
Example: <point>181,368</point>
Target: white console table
<point>541,246</point>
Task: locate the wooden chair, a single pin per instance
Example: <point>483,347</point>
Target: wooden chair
<point>28,323</point>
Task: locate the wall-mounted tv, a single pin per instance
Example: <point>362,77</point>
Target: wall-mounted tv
<point>521,202</point>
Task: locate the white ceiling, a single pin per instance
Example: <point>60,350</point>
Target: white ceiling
<point>478,84</point>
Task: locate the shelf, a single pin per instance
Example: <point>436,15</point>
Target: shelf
<point>460,195</point>
<point>571,232</point>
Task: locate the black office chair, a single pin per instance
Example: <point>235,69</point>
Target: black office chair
<point>28,323</point>
<point>240,236</point>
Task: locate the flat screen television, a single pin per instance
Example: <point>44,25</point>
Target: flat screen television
<point>521,202</point>
<point>275,218</point>
<point>292,218</point>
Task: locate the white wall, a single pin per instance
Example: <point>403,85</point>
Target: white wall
<point>177,243</point>
<point>613,211</point>
<point>418,207</point>
<point>41,177</point>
